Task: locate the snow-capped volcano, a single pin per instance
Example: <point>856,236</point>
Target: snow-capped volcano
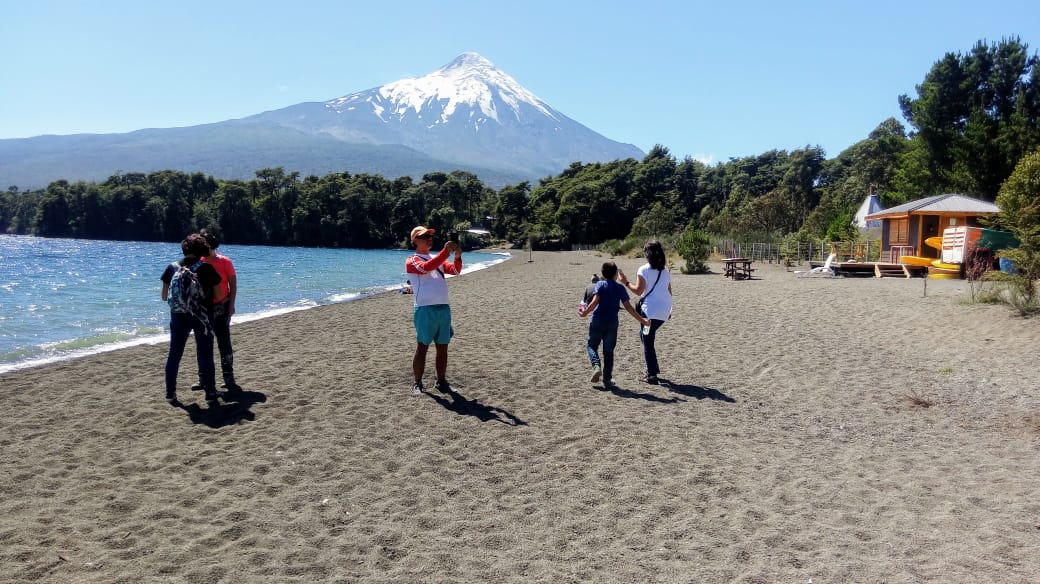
<point>467,112</point>
<point>469,80</point>
<point>467,115</point>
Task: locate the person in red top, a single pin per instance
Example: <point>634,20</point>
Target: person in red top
<point>432,314</point>
<point>223,309</point>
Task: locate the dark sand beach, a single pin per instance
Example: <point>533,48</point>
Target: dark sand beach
<point>785,447</point>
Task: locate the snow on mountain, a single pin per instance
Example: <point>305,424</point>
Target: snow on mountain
<point>468,80</point>
<point>468,111</point>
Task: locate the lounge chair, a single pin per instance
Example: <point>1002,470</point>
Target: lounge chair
<point>825,270</point>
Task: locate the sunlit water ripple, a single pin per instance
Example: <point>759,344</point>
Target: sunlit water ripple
<point>64,298</point>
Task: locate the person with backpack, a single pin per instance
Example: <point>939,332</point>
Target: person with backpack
<point>654,283</point>
<point>189,286</point>
<point>223,309</point>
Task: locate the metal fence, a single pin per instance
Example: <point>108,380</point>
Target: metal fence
<point>790,253</point>
<point>796,253</point>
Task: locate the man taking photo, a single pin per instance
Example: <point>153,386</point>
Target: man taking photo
<point>432,314</point>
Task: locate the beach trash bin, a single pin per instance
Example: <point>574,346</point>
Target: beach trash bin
<point>1007,266</point>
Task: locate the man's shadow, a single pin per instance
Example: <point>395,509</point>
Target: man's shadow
<point>231,409</point>
<point>462,406</point>
<point>628,393</point>
<point>695,391</point>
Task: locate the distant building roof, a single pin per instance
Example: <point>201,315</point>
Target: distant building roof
<point>949,204</point>
<point>871,204</point>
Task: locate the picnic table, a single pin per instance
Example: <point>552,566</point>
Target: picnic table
<point>738,268</point>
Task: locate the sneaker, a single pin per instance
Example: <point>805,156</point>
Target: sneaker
<point>442,386</point>
<point>232,388</point>
<point>171,398</point>
<point>212,397</point>
<point>651,379</point>
<point>596,373</point>
<point>196,387</point>
<point>418,388</point>
<point>608,383</point>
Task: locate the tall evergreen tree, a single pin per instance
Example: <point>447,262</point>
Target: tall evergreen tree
<point>975,116</point>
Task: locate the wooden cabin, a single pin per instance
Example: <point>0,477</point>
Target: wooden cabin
<point>905,228</point>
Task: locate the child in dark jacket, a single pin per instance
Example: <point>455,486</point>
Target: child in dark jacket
<point>607,301</point>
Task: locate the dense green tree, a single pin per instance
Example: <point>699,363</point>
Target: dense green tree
<point>1019,202</point>
<point>975,116</point>
<point>871,165</point>
<point>798,185</point>
<point>511,213</point>
<point>234,207</point>
<point>687,194</point>
<point>173,190</point>
<point>407,212</point>
<point>53,215</point>
<point>654,179</point>
<point>94,219</point>
<point>276,198</point>
<point>656,221</point>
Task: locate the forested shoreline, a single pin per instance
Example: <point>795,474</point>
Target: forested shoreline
<point>975,116</point>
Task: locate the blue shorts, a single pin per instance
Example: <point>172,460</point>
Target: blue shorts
<point>433,324</point>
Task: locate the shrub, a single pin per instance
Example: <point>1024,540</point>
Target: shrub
<point>619,247</point>
<point>1019,202</point>
<point>694,247</point>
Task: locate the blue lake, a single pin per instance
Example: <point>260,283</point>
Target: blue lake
<point>63,298</point>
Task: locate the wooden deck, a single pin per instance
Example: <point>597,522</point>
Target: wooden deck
<point>874,269</point>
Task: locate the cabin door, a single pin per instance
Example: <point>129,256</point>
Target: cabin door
<point>929,228</point>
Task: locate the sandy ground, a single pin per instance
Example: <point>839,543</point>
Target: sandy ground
<point>784,448</point>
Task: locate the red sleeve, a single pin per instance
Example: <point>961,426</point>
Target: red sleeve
<point>453,268</point>
<point>417,265</point>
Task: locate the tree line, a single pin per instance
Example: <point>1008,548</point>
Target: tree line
<point>974,117</point>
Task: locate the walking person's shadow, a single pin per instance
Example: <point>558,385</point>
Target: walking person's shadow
<point>628,393</point>
<point>695,391</point>
<point>234,408</point>
<point>484,413</point>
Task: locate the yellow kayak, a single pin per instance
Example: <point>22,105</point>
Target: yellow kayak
<point>944,276</point>
<point>945,266</point>
<point>916,261</point>
<point>934,242</point>
<point>937,272</point>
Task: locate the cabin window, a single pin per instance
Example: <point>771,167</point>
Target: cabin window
<point>899,231</point>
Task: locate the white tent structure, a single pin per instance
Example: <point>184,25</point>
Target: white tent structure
<point>871,205</point>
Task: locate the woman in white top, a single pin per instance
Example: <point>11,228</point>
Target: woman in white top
<point>654,283</point>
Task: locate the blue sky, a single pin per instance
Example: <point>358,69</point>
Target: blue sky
<point>708,80</point>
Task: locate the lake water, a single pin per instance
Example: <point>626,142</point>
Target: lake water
<point>64,298</point>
